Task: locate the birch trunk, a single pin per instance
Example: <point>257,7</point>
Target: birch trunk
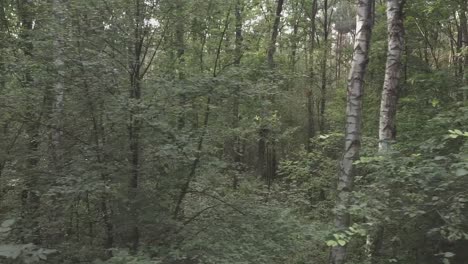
<point>388,104</point>
<point>353,121</point>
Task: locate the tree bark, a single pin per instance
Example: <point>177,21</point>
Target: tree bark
<point>134,127</point>
<point>180,60</point>
<point>388,104</point>
<point>3,41</point>
<point>236,141</point>
<point>274,35</point>
<point>294,38</point>
<point>464,40</point>
<point>359,63</point>
<point>310,94</point>
<point>323,87</point>
<point>266,148</point>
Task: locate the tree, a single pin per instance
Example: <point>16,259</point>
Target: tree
<point>388,105</point>
<point>310,100</point>
<point>364,23</point>
<point>324,79</point>
<point>236,141</point>
<point>148,130</point>
<point>274,33</point>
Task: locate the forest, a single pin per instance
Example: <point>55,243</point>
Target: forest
<point>233,131</point>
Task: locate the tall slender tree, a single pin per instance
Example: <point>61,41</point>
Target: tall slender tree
<point>464,41</point>
<point>324,69</point>
<point>58,9</point>
<point>274,34</point>
<point>310,95</point>
<point>364,23</point>
<point>388,104</point>
<point>236,142</point>
<point>30,197</point>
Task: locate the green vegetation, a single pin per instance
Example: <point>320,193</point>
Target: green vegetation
<point>230,131</point>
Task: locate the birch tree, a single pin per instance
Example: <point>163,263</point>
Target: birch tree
<point>388,104</point>
<point>353,121</point>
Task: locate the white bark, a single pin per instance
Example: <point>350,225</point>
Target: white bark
<point>388,104</point>
<point>353,121</point>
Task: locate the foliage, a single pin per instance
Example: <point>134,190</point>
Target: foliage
<point>149,115</point>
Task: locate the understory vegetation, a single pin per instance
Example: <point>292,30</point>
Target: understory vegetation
<point>231,131</point>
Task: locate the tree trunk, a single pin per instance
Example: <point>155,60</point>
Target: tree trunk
<point>274,35</point>
<point>193,169</point>
<point>59,86</point>
<point>294,38</point>
<point>266,149</point>
<point>30,197</point>
<point>323,87</point>
<point>310,94</point>
<point>236,144</point>
<point>353,122</point>
<point>464,40</point>
<point>98,140</point>
<point>3,41</point>
<point>134,127</point>
<point>388,104</point>
<point>180,60</point>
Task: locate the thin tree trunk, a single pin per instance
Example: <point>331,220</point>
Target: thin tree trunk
<point>429,46</point>
<point>180,60</point>
<point>3,41</point>
<point>193,169</point>
<point>274,34</point>
<point>464,31</point>
<point>59,86</point>
<point>310,94</point>
<point>266,151</point>
<point>294,38</point>
<point>323,87</point>
<point>294,45</point>
<point>236,144</point>
<point>98,135</point>
<point>30,197</point>
<point>364,25</point>
<point>134,127</point>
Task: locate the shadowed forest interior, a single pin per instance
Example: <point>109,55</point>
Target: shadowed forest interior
<point>234,131</point>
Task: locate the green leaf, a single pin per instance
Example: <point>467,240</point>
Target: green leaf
<point>8,223</point>
<point>341,242</point>
<point>461,172</point>
<point>332,243</point>
<point>10,251</point>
